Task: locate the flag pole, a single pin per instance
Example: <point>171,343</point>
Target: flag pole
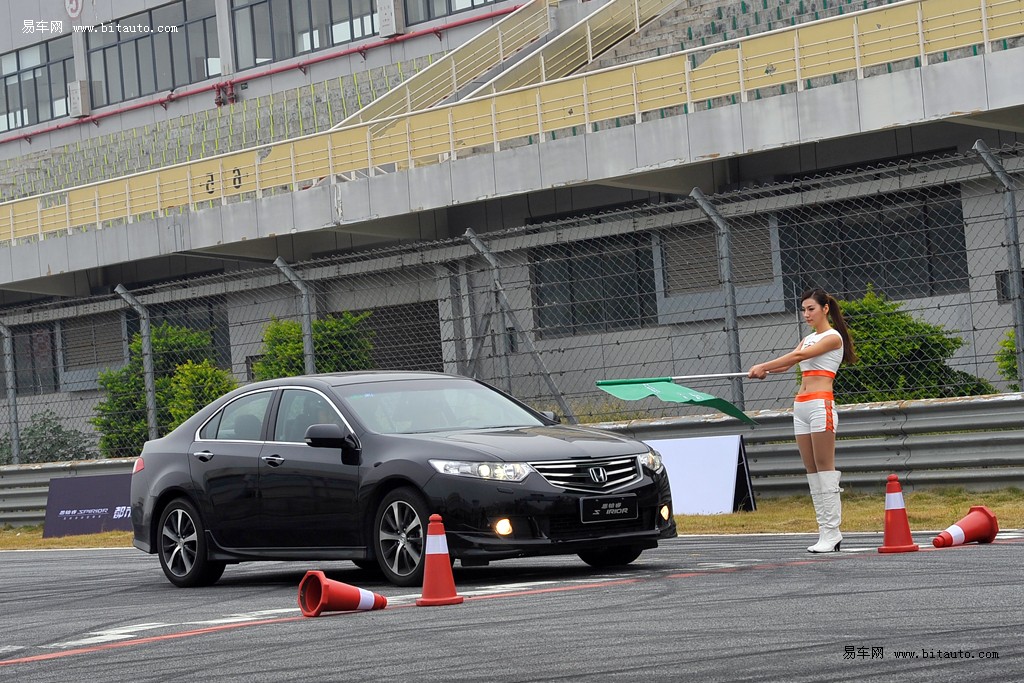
<point>717,375</point>
<point>647,380</point>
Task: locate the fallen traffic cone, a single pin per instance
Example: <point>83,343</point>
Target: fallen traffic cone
<point>979,525</point>
<point>438,583</point>
<point>897,538</point>
<point>319,594</point>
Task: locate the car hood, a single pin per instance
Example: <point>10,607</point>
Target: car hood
<point>556,442</point>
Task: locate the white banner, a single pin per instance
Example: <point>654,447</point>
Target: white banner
<point>703,473</point>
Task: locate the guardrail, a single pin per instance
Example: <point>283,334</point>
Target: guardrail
<point>849,43</point>
<point>974,442</point>
<point>25,488</point>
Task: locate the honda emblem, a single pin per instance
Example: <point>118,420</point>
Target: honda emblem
<point>599,475</point>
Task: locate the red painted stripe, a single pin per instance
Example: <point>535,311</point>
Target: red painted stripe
<point>143,641</point>
<point>556,589</point>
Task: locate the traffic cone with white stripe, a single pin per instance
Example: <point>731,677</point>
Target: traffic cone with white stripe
<point>438,583</point>
<point>319,594</point>
<point>897,537</point>
<point>979,525</point>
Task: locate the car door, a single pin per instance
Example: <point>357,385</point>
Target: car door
<point>308,495</point>
<point>224,465</point>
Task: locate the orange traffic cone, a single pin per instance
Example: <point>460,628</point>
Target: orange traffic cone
<point>438,583</point>
<point>319,594</point>
<point>897,538</point>
<point>979,525</point>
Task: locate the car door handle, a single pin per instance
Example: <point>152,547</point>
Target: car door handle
<point>272,460</point>
<point>204,456</point>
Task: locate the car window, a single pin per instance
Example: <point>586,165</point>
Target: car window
<point>242,419</point>
<point>209,430</point>
<point>417,406</point>
<point>298,410</point>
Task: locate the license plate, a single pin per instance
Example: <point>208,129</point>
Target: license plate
<point>607,508</point>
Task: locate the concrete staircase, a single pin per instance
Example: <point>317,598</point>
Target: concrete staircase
<point>698,24</point>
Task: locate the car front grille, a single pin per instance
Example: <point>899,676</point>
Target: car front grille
<point>570,528</point>
<point>593,475</point>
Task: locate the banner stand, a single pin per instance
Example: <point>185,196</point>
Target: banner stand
<point>744,498</point>
<point>708,475</point>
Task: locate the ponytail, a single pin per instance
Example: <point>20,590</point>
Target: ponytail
<point>836,316</point>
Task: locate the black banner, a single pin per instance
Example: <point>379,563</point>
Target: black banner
<point>88,505</point>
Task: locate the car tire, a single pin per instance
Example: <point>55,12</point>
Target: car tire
<point>400,536</point>
<point>181,545</point>
<point>611,557</point>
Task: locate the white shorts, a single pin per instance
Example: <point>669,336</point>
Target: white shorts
<point>814,412</point>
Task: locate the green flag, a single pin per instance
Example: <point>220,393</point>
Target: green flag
<point>667,390</point>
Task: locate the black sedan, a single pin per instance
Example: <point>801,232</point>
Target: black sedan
<point>350,466</point>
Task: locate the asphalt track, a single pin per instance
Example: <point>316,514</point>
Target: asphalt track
<point>736,608</point>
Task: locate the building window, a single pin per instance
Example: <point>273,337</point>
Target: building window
<point>35,361</point>
<point>406,337</point>
<point>417,11</point>
<point>273,30</point>
<point>593,286</point>
<point>1003,295</point>
<point>905,246</point>
<point>95,341</point>
<point>35,83</point>
<point>692,260</point>
<point>152,51</point>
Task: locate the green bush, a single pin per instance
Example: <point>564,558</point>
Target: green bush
<point>193,386</point>
<point>340,343</point>
<point>45,439</point>
<point>121,415</point>
<point>900,357</point>
<point>1006,359</point>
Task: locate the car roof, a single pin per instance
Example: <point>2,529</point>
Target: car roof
<point>341,378</point>
<point>336,379</point>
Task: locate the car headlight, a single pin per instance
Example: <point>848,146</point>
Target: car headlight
<point>493,471</point>
<point>652,461</point>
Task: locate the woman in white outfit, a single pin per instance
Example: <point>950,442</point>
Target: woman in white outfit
<point>819,355</point>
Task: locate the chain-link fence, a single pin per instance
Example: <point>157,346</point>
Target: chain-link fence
<point>920,253</point>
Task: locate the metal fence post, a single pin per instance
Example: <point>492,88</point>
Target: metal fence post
<point>148,371</point>
<point>506,309</point>
<point>308,352</point>
<point>1012,248</point>
<point>725,272</point>
<point>12,393</point>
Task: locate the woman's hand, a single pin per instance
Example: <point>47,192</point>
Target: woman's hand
<point>758,372</point>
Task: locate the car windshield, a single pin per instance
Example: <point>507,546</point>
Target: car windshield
<point>432,405</point>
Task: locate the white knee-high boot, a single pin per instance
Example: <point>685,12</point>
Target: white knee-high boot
<point>814,484</point>
<point>831,516</point>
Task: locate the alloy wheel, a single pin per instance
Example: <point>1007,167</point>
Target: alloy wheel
<point>401,535</point>
<point>179,543</point>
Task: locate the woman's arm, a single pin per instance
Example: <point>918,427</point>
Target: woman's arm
<point>783,363</point>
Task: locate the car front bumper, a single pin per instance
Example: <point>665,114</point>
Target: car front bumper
<point>545,520</point>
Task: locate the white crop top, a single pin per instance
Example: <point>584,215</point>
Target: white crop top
<point>826,364</point>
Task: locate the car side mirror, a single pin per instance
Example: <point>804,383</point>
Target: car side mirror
<point>335,436</point>
<point>550,414</point>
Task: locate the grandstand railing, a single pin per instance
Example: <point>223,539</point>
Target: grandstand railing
<point>461,66</point>
<point>579,45</point>
<point>853,43</point>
